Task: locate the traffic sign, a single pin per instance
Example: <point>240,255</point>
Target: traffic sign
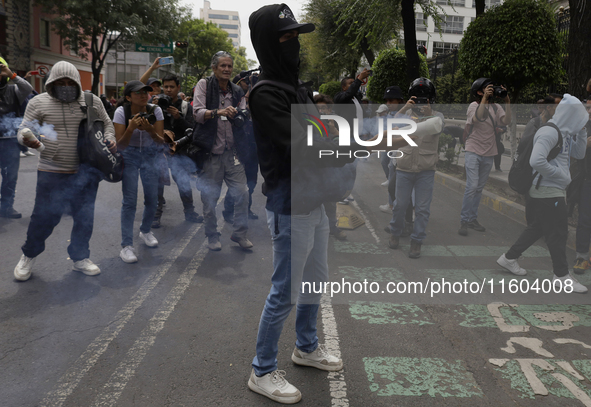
<point>160,48</point>
<point>43,70</point>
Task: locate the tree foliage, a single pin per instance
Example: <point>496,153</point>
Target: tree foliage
<point>523,50</point>
<point>92,27</point>
<point>330,88</point>
<point>389,69</point>
<point>579,47</point>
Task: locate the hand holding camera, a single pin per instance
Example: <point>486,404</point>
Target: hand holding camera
<point>174,112</point>
<point>229,112</point>
<point>366,73</point>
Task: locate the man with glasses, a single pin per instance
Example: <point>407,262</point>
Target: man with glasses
<point>218,106</point>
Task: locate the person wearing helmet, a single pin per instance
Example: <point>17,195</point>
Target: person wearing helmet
<point>416,168</point>
<point>483,116</point>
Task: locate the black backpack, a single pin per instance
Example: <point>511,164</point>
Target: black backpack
<point>521,175</point>
<point>92,149</point>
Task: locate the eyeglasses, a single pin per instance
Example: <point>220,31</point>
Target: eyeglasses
<point>140,92</point>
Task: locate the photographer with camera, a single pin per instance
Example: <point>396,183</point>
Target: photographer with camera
<point>139,129</point>
<point>178,117</point>
<point>220,112</point>
<point>483,118</point>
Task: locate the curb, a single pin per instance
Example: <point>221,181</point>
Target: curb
<point>504,206</point>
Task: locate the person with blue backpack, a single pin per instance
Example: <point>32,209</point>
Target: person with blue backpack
<point>562,137</point>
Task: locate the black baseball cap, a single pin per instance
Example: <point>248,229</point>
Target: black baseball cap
<point>135,86</point>
<point>154,80</point>
<point>393,92</point>
<point>287,22</point>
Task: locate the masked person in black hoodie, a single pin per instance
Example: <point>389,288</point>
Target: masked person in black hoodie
<point>296,180</point>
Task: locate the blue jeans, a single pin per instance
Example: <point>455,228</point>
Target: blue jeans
<point>422,183</point>
<point>306,237</point>
<point>9,163</point>
<point>138,162</point>
<point>477,170</point>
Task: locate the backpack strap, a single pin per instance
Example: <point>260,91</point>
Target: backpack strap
<point>90,116</point>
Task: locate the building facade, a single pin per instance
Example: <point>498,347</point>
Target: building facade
<point>228,21</point>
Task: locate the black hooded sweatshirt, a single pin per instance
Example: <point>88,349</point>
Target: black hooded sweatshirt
<point>272,117</point>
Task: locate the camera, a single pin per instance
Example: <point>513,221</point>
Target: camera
<point>421,100</point>
<point>499,92</point>
<point>148,116</point>
<point>240,118</point>
<point>164,101</point>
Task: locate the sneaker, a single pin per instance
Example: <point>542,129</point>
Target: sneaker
<point>408,228</point>
<point>149,239</point>
<point>581,265</point>
<point>394,242</point>
<point>415,249</point>
<point>385,183</point>
<point>22,271</point>
<point>22,155</point>
<point>214,243</point>
<point>320,359</point>
<point>29,153</point>
<point>463,229</point>
<point>274,386</point>
<point>10,213</point>
<point>577,287</point>
<point>476,226</point>
<point>252,215</point>
<point>128,254</point>
<point>338,234</point>
<point>350,198</point>
<point>511,265</point>
<point>193,217</point>
<point>155,223</point>
<point>386,208</point>
<point>242,241</point>
<point>87,267</point>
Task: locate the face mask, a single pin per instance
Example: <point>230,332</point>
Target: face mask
<point>290,52</point>
<point>66,94</point>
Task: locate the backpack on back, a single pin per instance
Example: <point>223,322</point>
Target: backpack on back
<point>522,175</point>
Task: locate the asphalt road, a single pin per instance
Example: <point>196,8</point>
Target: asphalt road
<point>178,328</point>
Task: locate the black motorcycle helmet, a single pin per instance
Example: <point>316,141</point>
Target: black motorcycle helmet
<point>422,88</point>
<point>480,84</point>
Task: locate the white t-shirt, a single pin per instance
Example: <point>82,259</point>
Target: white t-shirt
<point>139,138</point>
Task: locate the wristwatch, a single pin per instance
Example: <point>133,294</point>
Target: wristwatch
<point>214,113</point>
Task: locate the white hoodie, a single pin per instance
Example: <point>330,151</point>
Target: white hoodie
<point>570,117</point>
<point>61,150</point>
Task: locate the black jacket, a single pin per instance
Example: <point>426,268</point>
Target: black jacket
<point>347,96</point>
<point>178,126</point>
<point>280,134</point>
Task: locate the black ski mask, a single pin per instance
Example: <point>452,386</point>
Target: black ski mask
<point>290,53</point>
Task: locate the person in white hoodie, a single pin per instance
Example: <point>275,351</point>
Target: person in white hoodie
<point>60,178</point>
<point>548,196</point>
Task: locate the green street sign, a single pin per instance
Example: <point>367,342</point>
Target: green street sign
<point>161,49</point>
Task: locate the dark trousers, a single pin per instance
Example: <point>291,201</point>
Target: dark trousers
<point>9,163</point>
<point>497,161</point>
<point>251,170</point>
<point>548,218</point>
<point>584,223</point>
<point>180,168</point>
<point>54,192</point>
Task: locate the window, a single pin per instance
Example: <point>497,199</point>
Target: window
<point>420,22</point>
<point>45,33</point>
<point>444,47</point>
<point>233,35</point>
<point>452,25</point>
<point>487,3</point>
<point>228,26</point>
<point>455,3</point>
<point>219,16</point>
<point>235,17</point>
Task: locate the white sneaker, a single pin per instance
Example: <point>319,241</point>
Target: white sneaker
<point>385,183</point>
<point>386,208</point>
<point>511,265</point>
<point>149,239</point>
<point>22,155</point>
<point>274,386</point>
<point>22,271</point>
<point>128,254</point>
<point>29,152</point>
<point>87,267</point>
<point>577,287</point>
<point>320,359</point>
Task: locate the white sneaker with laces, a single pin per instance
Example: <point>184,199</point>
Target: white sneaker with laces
<point>274,386</point>
<point>511,265</point>
<point>386,208</point>
<point>87,267</point>
<point>320,359</point>
<point>577,287</point>
<point>22,271</point>
<point>149,239</point>
<point>29,153</point>
<point>128,254</point>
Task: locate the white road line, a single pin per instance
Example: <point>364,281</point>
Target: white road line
<point>338,386</point>
<point>70,380</point>
<point>367,222</point>
<point>125,371</point>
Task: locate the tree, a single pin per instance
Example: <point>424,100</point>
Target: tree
<point>524,50</point>
<point>579,47</point>
<point>92,27</point>
<point>390,69</point>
